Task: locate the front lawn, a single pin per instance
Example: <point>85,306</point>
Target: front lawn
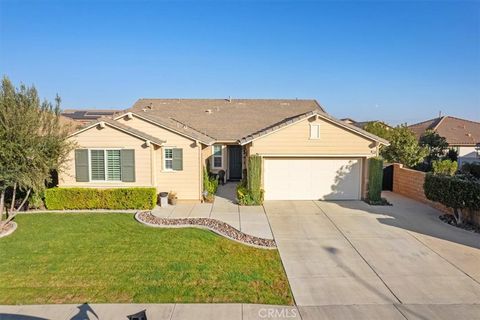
<point>99,258</point>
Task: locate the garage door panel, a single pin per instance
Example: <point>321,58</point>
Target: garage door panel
<point>311,179</point>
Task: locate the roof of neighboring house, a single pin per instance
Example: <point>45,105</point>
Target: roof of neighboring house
<point>118,125</point>
<point>84,115</point>
<point>457,131</point>
<point>223,119</point>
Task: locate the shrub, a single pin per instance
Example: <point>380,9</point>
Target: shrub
<point>35,201</point>
<point>472,168</point>
<point>91,198</point>
<point>210,184</point>
<point>453,192</point>
<point>444,167</point>
<point>375,179</point>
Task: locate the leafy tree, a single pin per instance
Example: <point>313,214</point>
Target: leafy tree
<point>404,147</point>
<point>379,129</point>
<point>32,143</point>
<point>451,155</point>
<point>435,144</point>
<point>444,167</point>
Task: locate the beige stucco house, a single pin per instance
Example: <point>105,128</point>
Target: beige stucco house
<point>166,143</point>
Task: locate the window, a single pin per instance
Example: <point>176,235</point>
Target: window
<point>314,131</point>
<point>217,156</point>
<point>105,165</point>
<point>168,159</point>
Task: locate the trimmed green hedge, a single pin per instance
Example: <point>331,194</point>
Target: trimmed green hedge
<point>375,179</point>
<point>91,198</point>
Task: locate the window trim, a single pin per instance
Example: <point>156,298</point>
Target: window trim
<point>217,156</point>
<point>312,125</point>
<point>164,159</point>
<point>105,159</point>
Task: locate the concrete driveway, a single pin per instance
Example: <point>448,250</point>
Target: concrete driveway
<point>348,259</point>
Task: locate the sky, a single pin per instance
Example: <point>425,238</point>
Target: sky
<point>393,61</point>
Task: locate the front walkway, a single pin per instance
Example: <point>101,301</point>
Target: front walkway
<point>251,220</point>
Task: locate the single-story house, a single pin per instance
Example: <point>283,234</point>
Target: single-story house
<point>461,134</point>
<point>166,143</point>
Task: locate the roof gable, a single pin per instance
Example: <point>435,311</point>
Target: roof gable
<point>455,130</point>
<point>129,130</point>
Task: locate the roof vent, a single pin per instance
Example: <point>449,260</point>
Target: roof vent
<point>208,111</point>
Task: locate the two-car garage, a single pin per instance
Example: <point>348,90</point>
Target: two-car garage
<point>312,178</point>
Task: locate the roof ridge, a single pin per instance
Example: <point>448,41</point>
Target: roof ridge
<point>439,122</point>
<point>422,122</point>
<point>467,120</point>
<point>193,128</point>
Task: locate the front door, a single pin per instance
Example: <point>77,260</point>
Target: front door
<point>235,162</point>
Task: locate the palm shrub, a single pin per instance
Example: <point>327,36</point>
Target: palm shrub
<point>375,179</point>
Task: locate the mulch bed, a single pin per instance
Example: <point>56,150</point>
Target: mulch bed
<point>214,225</point>
<point>448,218</point>
<point>8,229</point>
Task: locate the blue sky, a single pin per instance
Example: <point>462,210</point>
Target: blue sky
<point>395,61</point>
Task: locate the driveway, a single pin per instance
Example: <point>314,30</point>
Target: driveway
<point>349,259</point>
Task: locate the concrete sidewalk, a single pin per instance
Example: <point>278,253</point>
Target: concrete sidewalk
<point>241,312</point>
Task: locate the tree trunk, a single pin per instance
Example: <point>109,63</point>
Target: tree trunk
<point>12,206</point>
<point>14,213</point>
<point>2,203</point>
<point>457,213</point>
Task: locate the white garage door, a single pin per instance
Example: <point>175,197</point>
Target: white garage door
<point>312,179</point>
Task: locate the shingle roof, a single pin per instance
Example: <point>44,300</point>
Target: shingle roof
<point>457,131</point>
<point>87,115</point>
<point>221,119</point>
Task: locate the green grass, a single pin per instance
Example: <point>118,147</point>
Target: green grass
<point>99,258</point>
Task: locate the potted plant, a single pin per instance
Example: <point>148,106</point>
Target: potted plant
<point>172,198</point>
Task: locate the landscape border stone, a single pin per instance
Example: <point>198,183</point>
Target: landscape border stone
<point>214,225</point>
<point>12,226</point>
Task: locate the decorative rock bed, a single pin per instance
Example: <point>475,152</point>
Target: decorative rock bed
<point>448,218</point>
<point>8,229</point>
<point>217,226</point>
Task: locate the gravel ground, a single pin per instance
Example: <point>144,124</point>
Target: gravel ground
<point>217,226</point>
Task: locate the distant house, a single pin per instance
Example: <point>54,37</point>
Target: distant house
<point>362,124</point>
<point>166,143</point>
<point>461,135</point>
<point>86,116</point>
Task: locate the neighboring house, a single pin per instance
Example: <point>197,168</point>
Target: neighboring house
<point>461,135</point>
<point>362,124</point>
<point>87,116</point>
<point>166,143</point>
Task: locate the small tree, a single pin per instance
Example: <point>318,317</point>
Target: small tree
<point>32,143</point>
<point>254,178</point>
<point>404,147</point>
<point>379,129</point>
<point>436,146</point>
<point>444,167</point>
<point>453,192</point>
<point>451,154</point>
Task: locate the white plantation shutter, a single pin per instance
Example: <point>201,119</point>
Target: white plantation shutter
<point>97,159</point>
<point>114,165</point>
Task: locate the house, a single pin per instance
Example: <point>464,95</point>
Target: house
<point>85,116</point>
<point>461,134</point>
<point>362,124</point>
<point>166,143</point>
